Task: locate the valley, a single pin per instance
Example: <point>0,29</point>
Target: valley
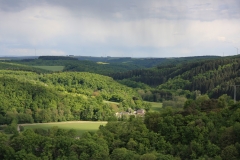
<point>122,107</point>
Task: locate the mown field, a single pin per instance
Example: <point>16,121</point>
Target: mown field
<point>51,68</point>
<point>79,126</point>
<point>156,106</point>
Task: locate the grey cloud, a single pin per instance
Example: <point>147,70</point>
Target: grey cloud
<point>16,5</point>
<point>136,9</point>
<point>116,26</point>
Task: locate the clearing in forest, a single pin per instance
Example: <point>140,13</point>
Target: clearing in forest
<point>51,68</point>
<point>102,63</point>
<point>114,105</point>
<point>156,106</point>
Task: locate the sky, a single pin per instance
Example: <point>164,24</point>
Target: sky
<point>120,28</point>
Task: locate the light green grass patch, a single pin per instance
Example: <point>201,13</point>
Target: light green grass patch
<point>127,62</point>
<point>114,105</point>
<point>79,126</point>
<point>102,63</point>
<point>111,102</point>
<point>51,68</point>
<point>4,59</point>
<point>77,94</point>
<point>156,106</point>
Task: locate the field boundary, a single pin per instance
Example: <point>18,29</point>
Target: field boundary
<point>28,124</point>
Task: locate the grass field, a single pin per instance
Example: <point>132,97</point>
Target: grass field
<point>156,106</point>
<point>111,102</point>
<point>102,63</point>
<point>51,68</point>
<point>79,126</point>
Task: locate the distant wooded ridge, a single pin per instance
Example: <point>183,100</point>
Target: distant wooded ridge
<point>97,57</point>
<point>158,77</point>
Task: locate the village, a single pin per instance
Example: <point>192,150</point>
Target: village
<point>139,112</point>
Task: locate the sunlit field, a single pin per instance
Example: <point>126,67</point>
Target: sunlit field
<point>79,126</point>
<point>51,68</point>
<point>156,106</point>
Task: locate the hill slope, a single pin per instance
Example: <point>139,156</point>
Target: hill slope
<point>31,97</point>
<point>105,65</point>
<point>213,77</point>
<point>20,67</point>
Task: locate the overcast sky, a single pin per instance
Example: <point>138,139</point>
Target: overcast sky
<point>136,28</point>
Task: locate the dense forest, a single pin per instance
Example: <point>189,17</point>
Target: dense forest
<point>198,119</point>
<point>154,84</point>
<point>145,62</point>
<point>105,65</point>
<point>204,129</point>
<point>213,76</point>
<point>73,64</point>
<point>63,96</point>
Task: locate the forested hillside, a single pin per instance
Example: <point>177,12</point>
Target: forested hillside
<point>105,65</point>
<point>189,126</point>
<point>55,97</point>
<point>72,64</point>
<point>214,77</point>
<point>204,129</point>
<point>145,62</point>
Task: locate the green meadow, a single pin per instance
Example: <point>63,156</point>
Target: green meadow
<point>102,63</point>
<point>156,106</point>
<point>110,102</point>
<point>79,126</point>
<point>51,68</point>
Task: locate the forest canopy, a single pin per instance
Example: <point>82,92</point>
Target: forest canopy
<point>62,96</point>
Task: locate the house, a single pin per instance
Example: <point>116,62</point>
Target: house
<point>140,112</point>
<point>120,114</point>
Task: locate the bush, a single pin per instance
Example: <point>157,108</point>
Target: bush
<point>21,128</point>
<point>11,129</point>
